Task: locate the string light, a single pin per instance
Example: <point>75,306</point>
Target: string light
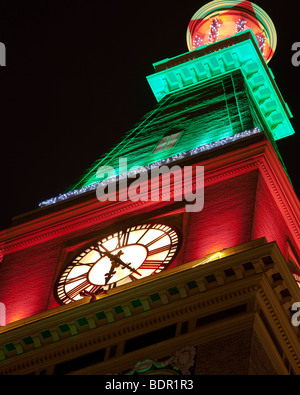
<point>195,151</point>
<point>198,41</point>
<point>261,39</point>
<point>241,25</point>
<point>214,30</point>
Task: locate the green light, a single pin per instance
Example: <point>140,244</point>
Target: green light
<point>240,52</point>
<point>183,121</point>
<point>203,96</point>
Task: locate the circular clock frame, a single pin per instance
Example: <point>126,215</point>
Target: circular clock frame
<point>116,259</point>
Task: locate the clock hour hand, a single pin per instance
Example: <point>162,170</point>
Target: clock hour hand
<point>116,259</point>
<point>126,265</point>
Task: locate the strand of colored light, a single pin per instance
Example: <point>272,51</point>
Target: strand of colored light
<point>214,30</point>
<point>261,42</point>
<point>198,41</point>
<point>241,25</point>
<point>204,115</point>
<point>174,158</point>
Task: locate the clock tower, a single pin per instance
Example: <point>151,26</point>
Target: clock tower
<point>176,252</point>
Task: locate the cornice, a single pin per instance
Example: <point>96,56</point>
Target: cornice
<point>285,199</point>
<point>259,156</point>
<point>183,293</point>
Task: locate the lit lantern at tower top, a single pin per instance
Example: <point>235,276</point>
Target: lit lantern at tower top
<point>221,19</point>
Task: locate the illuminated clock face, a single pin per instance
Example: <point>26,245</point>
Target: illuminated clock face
<point>119,258</point>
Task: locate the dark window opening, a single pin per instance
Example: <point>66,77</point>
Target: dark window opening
<point>248,266</point>
<point>184,327</point>
<point>271,333</point>
<point>268,260</point>
<point>229,272</point>
<point>112,351</point>
<point>80,362</point>
<point>210,278</point>
<point>221,315</point>
<point>167,142</point>
<point>150,338</point>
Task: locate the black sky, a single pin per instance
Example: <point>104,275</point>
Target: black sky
<point>75,81</point>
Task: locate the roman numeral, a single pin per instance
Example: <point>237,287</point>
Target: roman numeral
<point>94,289</point>
<point>73,280</point>
<point>132,278</point>
<point>97,248</point>
<point>137,242</point>
<point>123,239</point>
<point>90,264</point>
<point>65,300</point>
<point>150,265</point>
<point>112,285</point>
<point>155,240</point>
<point>153,262</point>
<point>76,290</point>
<point>160,249</point>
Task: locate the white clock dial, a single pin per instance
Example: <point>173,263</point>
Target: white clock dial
<point>121,257</point>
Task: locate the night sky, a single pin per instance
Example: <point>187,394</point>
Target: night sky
<point>75,81</point>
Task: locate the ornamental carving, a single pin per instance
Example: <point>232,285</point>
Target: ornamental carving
<point>179,363</point>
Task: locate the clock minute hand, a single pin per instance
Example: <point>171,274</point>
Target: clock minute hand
<point>127,266</point>
<point>108,253</point>
<point>111,272</point>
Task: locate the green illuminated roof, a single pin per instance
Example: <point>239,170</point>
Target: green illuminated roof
<point>182,121</point>
<point>240,52</point>
<point>208,95</point>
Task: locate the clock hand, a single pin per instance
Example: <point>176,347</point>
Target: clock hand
<point>126,265</point>
<point>111,272</point>
<point>110,255</point>
<point>116,258</point>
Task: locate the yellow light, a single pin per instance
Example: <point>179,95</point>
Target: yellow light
<point>214,257</point>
